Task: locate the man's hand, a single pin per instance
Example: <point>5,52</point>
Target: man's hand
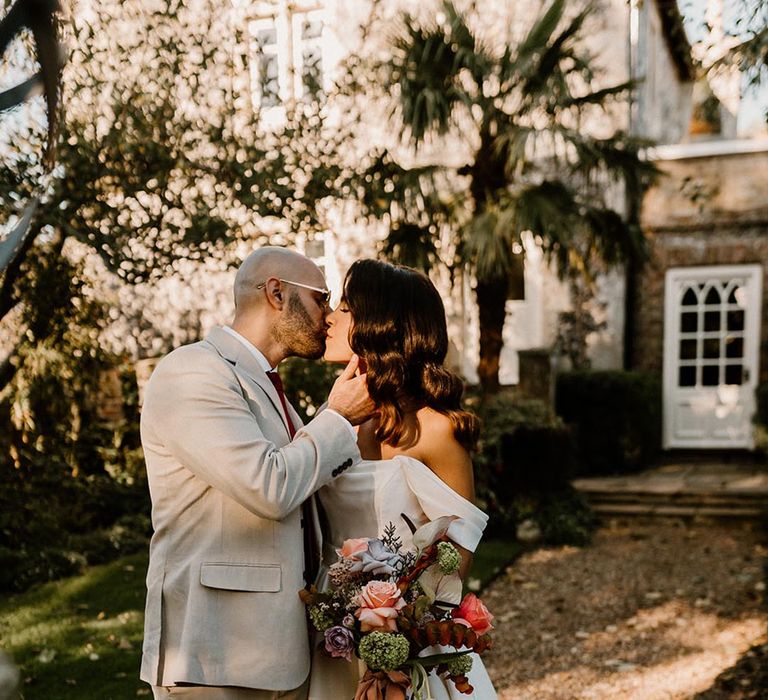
<point>349,395</point>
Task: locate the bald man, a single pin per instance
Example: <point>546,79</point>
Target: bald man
<point>230,467</point>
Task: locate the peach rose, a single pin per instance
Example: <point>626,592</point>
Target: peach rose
<point>379,602</point>
<point>351,547</point>
<point>474,614</point>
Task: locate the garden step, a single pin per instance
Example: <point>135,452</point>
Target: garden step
<point>682,511</point>
<point>718,490</point>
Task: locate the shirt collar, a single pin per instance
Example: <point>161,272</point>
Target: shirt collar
<point>263,363</point>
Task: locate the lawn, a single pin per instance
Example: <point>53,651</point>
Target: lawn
<point>80,638</point>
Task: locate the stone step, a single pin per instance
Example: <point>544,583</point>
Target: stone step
<point>752,500</point>
<point>681,511</point>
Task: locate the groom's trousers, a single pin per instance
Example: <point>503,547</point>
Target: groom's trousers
<point>208,692</point>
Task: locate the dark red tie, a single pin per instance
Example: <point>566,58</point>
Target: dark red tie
<point>311,553</point>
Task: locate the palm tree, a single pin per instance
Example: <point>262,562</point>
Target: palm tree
<point>533,168</point>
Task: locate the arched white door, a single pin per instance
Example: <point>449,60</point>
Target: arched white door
<point>711,355</point>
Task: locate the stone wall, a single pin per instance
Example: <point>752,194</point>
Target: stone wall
<point>708,210</point>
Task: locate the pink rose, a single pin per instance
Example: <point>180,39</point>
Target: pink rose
<point>379,602</point>
<point>351,547</point>
<point>474,614</point>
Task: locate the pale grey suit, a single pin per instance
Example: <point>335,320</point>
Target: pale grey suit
<point>226,557</point>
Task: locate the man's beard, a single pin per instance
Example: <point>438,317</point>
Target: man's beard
<point>297,332</point>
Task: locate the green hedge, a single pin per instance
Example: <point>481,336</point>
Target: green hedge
<point>615,416</point>
<point>523,468</point>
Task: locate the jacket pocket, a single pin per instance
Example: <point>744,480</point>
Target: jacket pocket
<point>241,577</point>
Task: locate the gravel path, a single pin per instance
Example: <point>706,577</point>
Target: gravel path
<point>647,612</point>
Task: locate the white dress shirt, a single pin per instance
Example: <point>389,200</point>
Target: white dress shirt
<point>264,364</point>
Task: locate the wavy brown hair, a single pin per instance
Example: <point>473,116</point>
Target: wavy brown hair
<point>399,329</point>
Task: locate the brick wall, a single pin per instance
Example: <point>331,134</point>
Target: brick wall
<point>735,246</point>
<point>707,210</point>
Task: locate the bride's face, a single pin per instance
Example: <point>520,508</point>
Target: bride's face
<point>337,341</point>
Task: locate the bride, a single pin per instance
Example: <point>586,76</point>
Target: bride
<point>415,453</point>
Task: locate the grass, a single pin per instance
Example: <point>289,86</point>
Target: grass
<point>491,558</point>
<point>80,638</point>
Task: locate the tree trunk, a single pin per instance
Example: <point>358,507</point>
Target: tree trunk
<point>491,297</point>
<point>487,177</point>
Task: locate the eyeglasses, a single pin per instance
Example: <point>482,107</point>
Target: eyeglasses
<point>326,293</point>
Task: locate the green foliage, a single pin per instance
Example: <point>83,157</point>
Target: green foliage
<point>531,167</point>
<point>523,467</point>
<point>307,384</point>
<point>66,476</point>
<point>615,416</point>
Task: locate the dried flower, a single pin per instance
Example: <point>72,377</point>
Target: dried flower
<point>319,615</point>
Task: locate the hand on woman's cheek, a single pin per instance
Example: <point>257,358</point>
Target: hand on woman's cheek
<point>337,343</point>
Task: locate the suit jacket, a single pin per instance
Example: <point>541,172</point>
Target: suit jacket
<point>226,558</point>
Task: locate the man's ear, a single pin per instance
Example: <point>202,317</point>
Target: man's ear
<point>275,294</point>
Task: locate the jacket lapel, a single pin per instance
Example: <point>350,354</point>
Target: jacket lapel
<point>232,350</point>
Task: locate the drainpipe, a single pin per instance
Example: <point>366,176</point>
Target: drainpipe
<point>632,205</point>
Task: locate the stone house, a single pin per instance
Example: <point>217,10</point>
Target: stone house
<point>701,305</point>
<point>644,41</point>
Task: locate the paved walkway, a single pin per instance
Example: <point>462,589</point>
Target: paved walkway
<point>714,489</point>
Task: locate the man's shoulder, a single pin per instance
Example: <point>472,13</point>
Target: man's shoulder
<point>198,356</point>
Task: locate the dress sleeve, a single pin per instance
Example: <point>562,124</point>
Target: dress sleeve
<point>437,499</point>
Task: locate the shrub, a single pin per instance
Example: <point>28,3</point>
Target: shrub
<point>615,416</point>
<point>523,467</point>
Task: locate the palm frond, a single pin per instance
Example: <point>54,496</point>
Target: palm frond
<point>428,66</point>
<point>488,243</point>
<point>412,245</point>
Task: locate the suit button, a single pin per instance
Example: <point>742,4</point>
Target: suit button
<point>335,472</point>
<point>348,463</point>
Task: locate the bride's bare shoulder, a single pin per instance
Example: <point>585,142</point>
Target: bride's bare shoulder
<point>439,449</point>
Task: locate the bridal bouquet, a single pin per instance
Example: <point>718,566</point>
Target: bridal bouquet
<point>388,607</point>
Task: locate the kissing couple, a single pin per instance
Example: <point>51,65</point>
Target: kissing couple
<point>240,487</point>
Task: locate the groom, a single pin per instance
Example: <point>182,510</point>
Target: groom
<point>229,468</point>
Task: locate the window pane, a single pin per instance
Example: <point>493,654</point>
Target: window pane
<point>734,347</point>
<point>712,321</point>
<point>733,374</point>
<point>690,298</point>
<point>735,320</point>
<point>713,297</point>
<point>687,376</point>
<point>689,322</point>
<point>710,375</point>
<point>687,349</point>
<point>712,348</point>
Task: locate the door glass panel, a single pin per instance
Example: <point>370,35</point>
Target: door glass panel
<point>734,374</point>
<point>690,298</point>
<point>734,347</point>
<point>687,349</point>
<point>712,320</point>
<point>710,375</point>
<point>735,320</point>
<point>689,322</point>
<point>687,376</point>
<point>736,296</point>
<point>713,297</point>
<point>712,348</point>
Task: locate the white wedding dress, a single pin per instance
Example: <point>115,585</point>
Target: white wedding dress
<point>361,503</point>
